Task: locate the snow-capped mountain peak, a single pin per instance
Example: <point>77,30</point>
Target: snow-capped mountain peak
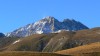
<point>47,25</point>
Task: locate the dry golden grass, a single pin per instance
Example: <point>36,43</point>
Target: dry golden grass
<point>91,48</point>
<point>89,54</point>
<point>29,53</point>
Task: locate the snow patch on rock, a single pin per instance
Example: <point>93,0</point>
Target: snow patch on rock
<point>16,41</point>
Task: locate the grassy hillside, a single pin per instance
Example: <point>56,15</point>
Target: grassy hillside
<point>58,41</point>
<point>42,42</point>
<point>34,42</point>
<point>6,41</point>
<point>29,53</point>
<point>18,53</point>
<point>86,49</point>
<point>89,54</point>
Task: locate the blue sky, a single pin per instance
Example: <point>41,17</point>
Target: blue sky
<point>18,13</point>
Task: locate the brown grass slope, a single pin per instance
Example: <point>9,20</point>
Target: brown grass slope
<point>34,42</point>
<point>67,40</point>
<point>89,54</point>
<point>6,41</point>
<point>86,49</point>
<point>84,37</point>
<point>18,53</point>
<point>58,41</point>
<point>41,42</point>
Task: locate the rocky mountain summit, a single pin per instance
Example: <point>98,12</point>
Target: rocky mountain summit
<point>47,25</point>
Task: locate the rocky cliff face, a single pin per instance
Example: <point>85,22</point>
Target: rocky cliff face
<point>47,25</point>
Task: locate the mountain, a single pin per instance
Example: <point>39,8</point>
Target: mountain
<point>37,42</point>
<point>2,35</point>
<point>4,42</point>
<point>51,42</point>
<point>67,39</point>
<point>47,25</point>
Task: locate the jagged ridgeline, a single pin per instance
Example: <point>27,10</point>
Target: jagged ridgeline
<point>47,25</point>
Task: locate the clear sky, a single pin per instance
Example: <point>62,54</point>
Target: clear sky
<point>18,13</point>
